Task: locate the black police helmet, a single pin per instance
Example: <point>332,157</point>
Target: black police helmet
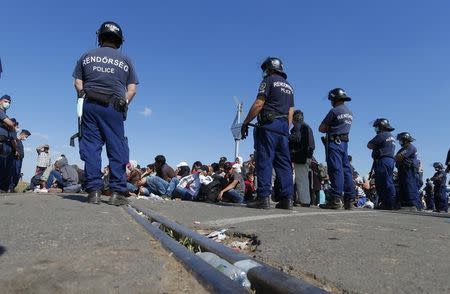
<point>438,165</point>
<point>405,137</point>
<point>338,94</point>
<point>298,115</point>
<point>275,64</point>
<point>383,124</point>
<point>110,31</point>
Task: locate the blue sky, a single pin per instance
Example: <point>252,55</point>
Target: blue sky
<point>192,57</point>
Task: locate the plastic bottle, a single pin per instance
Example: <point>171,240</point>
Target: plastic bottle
<point>231,271</point>
<point>246,265</point>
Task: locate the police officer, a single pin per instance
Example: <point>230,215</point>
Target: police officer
<point>407,166</point>
<point>17,162</point>
<point>337,126</point>
<point>7,144</point>
<point>440,192</point>
<point>447,162</point>
<point>107,80</point>
<point>383,151</point>
<point>274,107</point>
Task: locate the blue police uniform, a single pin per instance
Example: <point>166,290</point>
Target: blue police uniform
<point>17,165</point>
<point>440,192</point>
<point>272,149</point>
<point>104,70</point>
<point>447,160</point>
<point>407,177</point>
<point>383,165</point>
<point>339,121</point>
<point>6,153</point>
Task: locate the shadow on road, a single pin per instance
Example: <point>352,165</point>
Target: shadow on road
<point>2,250</point>
<point>74,197</point>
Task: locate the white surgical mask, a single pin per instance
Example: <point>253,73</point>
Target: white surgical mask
<point>6,105</point>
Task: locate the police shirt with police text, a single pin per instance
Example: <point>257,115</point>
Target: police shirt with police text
<point>339,120</point>
<point>278,94</point>
<point>106,69</point>
<point>384,144</point>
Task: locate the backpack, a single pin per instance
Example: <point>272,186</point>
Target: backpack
<point>211,191</point>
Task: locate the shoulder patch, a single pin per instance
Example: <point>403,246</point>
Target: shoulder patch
<point>262,87</point>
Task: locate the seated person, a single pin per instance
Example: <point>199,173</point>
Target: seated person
<point>188,187</point>
<point>105,179</point>
<point>65,177</point>
<point>133,177</point>
<point>163,170</point>
<point>163,183</point>
<point>196,166</point>
<point>156,185</point>
<point>149,171</point>
<point>182,170</point>
<point>360,199</point>
<point>235,189</point>
<point>249,187</point>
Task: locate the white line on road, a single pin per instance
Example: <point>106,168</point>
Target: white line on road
<point>237,220</point>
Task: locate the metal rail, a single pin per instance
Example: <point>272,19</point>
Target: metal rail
<point>212,279</point>
<point>264,278</point>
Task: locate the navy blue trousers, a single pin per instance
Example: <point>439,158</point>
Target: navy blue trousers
<point>384,182</point>
<point>409,193</point>
<point>15,172</point>
<point>339,171</point>
<point>6,164</point>
<point>272,152</point>
<point>103,125</point>
<point>441,198</point>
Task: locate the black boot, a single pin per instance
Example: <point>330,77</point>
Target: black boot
<point>94,197</point>
<point>261,203</point>
<point>285,204</point>
<point>334,203</point>
<point>348,203</point>
<point>117,199</point>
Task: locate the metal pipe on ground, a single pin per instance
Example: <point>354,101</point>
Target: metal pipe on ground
<point>264,278</point>
<point>212,279</point>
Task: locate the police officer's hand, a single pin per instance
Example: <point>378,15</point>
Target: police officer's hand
<point>244,130</point>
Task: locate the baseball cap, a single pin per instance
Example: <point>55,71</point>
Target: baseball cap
<point>182,163</point>
<point>237,167</point>
<point>26,132</point>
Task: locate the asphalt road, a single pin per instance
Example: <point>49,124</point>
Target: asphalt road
<point>358,251</point>
<point>50,244</point>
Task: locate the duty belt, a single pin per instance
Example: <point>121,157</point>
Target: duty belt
<point>118,104</point>
<point>339,138</point>
<point>269,116</point>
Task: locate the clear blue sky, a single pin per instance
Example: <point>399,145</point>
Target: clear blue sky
<point>192,57</point>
